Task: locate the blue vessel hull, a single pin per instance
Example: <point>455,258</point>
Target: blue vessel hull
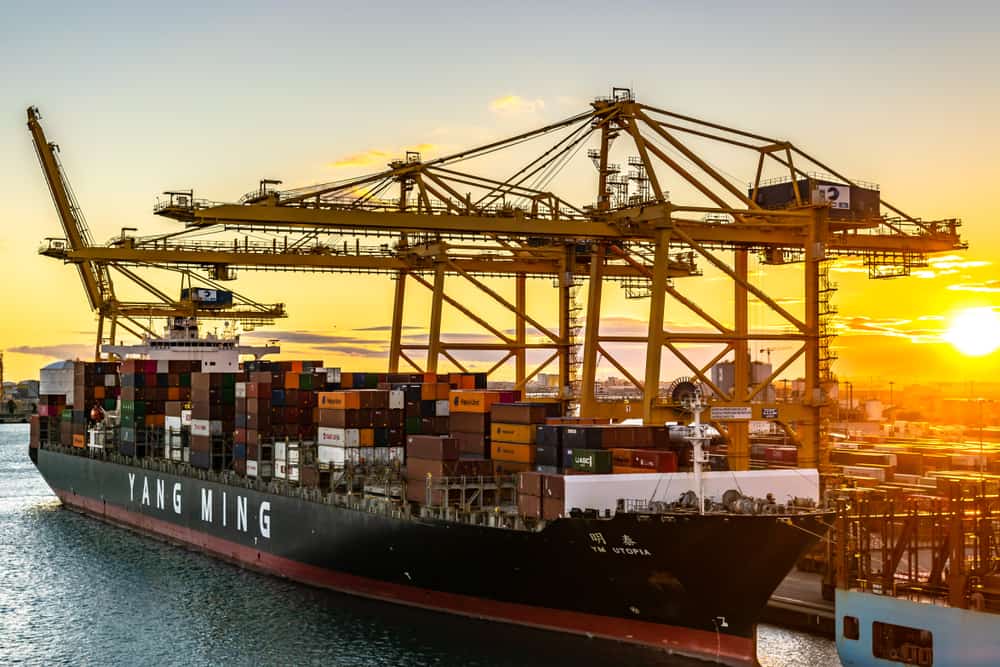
<point>958,637</point>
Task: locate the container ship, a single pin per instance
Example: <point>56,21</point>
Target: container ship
<point>426,490</point>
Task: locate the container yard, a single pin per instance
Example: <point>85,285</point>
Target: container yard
<point>340,478</point>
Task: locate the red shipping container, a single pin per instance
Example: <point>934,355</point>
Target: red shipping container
<point>529,506</point>
<point>552,508</point>
<point>530,483</point>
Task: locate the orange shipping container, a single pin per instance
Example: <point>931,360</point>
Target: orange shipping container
<point>443,391</point>
<point>428,392</point>
<point>366,437</point>
<point>173,393</point>
<point>523,434</point>
<point>468,382</point>
<point>472,401</point>
<point>430,378</point>
<point>79,440</point>
<point>291,380</point>
<point>296,368</point>
<point>346,379</point>
<point>339,400</point>
<point>628,470</point>
<point>508,451</point>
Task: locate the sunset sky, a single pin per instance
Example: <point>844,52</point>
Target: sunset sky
<point>143,101</point>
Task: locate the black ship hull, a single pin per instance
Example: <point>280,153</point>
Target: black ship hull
<point>688,584</point>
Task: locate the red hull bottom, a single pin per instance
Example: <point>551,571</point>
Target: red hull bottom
<point>716,647</point>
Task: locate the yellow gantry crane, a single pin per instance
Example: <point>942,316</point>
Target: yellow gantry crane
<point>452,221</point>
<point>96,273</point>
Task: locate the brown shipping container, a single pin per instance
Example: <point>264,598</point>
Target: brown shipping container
<point>469,422</point>
<point>432,447</point>
<point>529,506</point>
<point>509,468</point>
<point>530,483</point>
<point>552,508</point>
<point>554,486</point>
<point>418,469</point>
<point>521,413</point>
<point>472,443</point>
<point>523,434</point>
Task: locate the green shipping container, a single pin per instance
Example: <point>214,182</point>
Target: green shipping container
<point>413,426</point>
<point>185,379</point>
<point>592,460</point>
<point>306,381</point>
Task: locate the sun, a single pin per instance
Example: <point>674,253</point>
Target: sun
<point>975,332</point>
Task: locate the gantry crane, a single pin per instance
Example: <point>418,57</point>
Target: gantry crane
<point>96,273</point>
<point>437,221</point>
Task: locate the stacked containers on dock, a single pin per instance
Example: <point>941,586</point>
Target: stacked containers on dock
<point>213,420</point>
<point>512,434</point>
<point>177,430</point>
<point>360,426</point>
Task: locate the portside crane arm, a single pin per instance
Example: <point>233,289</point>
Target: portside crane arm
<point>96,281</point>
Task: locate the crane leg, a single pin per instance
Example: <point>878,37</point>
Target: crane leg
<point>100,335</point>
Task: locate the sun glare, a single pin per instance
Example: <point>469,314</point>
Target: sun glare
<point>975,332</point>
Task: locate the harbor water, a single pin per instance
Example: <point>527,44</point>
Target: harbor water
<point>74,591</point>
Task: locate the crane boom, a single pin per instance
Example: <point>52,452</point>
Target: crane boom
<point>96,279</point>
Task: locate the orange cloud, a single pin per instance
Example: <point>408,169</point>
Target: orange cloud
<point>985,286</point>
<point>510,104</point>
<point>379,156</point>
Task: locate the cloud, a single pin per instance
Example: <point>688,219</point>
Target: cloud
<point>985,286</point>
<point>512,104</point>
<point>55,351</point>
<point>363,159</point>
<point>944,265</point>
<point>955,262</point>
<point>893,328</point>
<point>380,157</point>
<point>355,351</point>
<point>305,337</point>
<point>386,327</point>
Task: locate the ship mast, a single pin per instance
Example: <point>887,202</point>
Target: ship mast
<point>698,437</point>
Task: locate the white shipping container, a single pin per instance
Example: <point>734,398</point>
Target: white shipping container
<point>162,366</point>
<point>293,473</point>
<point>201,427</point>
<point>215,426</point>
<point>380,454</point>
<point>279,469</point>
<point>172,424</point>
<point>397,454</point>
<point>265,469</point>
<point>397,400</point>
<point>293,454</point>
<point>186,417</point>
<point>332,375</point>
<point>241,390</point>
<point>251,468</point>
<point>186,456</point>
<point>331,454</point>
<point>442,408</point>
<point>329,436</point>
<point>279,451</point>
<point>110,380</point>
<point>176,454</point>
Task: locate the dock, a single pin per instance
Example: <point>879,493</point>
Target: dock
<point>798,604</point>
